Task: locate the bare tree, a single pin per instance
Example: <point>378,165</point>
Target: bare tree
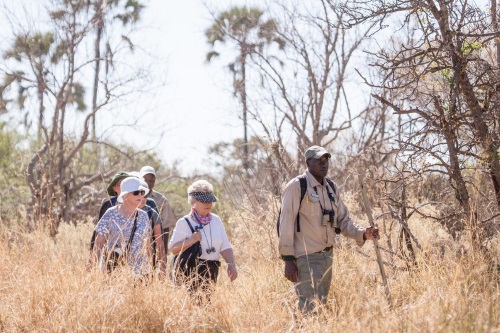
<point>105,12</point>
<point>53,67</point>
<point>443,80</point>
<point>307,86</point>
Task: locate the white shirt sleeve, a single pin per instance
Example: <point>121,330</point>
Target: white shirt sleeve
<point>181,232</point>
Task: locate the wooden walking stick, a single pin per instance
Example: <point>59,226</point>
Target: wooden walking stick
<point>375,242</point>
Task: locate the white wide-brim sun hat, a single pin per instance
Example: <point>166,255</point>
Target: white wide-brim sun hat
<point>131,184</point>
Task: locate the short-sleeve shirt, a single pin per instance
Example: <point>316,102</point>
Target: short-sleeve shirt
<point>117,229</point>
<point>212,234</point>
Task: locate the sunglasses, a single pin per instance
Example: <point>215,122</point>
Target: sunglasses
<point>141,192</point>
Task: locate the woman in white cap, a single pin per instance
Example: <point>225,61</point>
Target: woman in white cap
<point>125,230</point>
<point>209,231</point>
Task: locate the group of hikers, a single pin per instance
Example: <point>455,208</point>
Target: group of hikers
<point>135,223</point>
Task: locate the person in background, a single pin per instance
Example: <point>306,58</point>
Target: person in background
<point>159,256</point>
<point>308,228</point>
<point>213,237</point>
<point>166,213</point>
<point>125,224</point>
<point>113,191</point>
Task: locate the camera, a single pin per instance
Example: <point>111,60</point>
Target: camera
<point>329,218</point>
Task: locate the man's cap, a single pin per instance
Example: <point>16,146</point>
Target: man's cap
<point>147,169</point>
<point>145,185</point>
<point>114,180</point>
<point>316,152</point>
<point>204,196</point>
<point>130,184</point>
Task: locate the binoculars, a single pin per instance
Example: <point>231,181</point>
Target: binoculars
<point>329,217</point>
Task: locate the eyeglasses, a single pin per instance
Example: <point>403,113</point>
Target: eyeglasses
<point>210,250</point>
<point>141,192</point>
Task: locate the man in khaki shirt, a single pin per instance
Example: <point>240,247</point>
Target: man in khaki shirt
<point>166,213</point>
<point>306,242</point>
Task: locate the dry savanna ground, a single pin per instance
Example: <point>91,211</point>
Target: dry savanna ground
<point>44,288</point>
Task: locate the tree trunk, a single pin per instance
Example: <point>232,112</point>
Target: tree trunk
<point>97,55</point>
<point>487,139</point>
<point>243,93</point>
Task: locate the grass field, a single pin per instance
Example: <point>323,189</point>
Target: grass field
<point>45,288</point>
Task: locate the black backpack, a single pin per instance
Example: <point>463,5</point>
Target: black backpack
<point>303,189</point>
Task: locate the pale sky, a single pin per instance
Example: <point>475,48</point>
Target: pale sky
<point>196,104</point>
<point>195,108</point>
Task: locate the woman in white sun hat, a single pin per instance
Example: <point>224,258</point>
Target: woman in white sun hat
<point>125,231</point>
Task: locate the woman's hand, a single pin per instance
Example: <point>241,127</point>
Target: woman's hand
<point>228,256</point>
<point>195,237</point>
<point>232,272</point>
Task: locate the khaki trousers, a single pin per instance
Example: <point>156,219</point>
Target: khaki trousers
<point>314,278</point>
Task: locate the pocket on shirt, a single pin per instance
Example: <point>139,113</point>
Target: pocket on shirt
<point>310,206</point>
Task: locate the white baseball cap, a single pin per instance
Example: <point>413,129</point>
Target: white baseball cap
<point>131,184</point>
<point>147,169</point>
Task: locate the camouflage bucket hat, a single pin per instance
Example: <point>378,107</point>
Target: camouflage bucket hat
<point>116,178</point>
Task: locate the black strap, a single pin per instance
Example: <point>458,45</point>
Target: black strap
<point>189,224</point>
<point>303,190</point>
<point>127,248</point>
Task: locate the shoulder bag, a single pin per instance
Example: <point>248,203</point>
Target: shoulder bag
<point>117,256</point>
<point>186,262</point>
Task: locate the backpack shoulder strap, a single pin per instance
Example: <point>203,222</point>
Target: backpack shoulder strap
<point>303,187</point>
<point>303,190</point>
<point>332,185</point>
<point>134,228</point>
<point>189,224</point>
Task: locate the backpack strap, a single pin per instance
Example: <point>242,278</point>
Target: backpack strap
<point>332,185</point>
<point>127,248</point>
<point>189,224</point>
<point>303,190</point>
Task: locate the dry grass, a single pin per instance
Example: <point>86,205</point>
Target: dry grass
<point>45,288</point>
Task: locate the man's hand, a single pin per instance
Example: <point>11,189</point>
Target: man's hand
<point>372,233</point>
<point>291,271</point>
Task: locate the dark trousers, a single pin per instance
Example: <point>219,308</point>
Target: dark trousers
<point>199,278</point>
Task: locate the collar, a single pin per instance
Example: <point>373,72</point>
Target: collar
<point>312,180</point>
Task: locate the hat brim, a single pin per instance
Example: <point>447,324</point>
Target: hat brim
<point>115,180</point>
<point>204,197</point>
<point>321,154</point>
<point>120,197</point>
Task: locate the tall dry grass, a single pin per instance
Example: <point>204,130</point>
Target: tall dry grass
<point>44,288</point>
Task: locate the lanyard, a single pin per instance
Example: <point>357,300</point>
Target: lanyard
<point>330,196</point>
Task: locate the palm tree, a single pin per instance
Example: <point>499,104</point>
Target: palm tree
<point>246,29</point>
<point>131,10</point>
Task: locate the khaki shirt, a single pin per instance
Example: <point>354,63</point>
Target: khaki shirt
<point>166,213</point>
<point>313,235</point>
